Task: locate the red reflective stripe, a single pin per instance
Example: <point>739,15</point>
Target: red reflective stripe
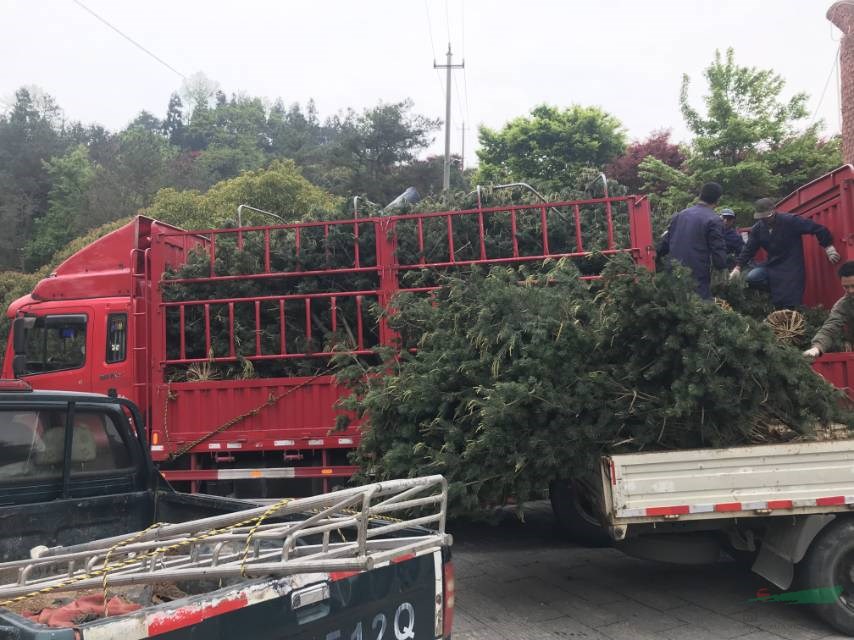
<point>668,511</point>
<point>613,473</point>
<point>448,602</point>
<point>403,558</point>
<point>334,576</point>
<point>728,506</point>
<point>779,504</point>
<point>186,616</point>
<point>830,502</point>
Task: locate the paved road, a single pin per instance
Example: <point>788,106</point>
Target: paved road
<point>520,581</point>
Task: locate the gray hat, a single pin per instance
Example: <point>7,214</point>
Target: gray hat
<point>727,213</point>
<point>764,208</point>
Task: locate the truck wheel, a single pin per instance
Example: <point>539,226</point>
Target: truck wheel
<point>576,517</point>
<point>829,564</point>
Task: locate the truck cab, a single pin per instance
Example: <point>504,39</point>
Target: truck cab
<point>82,345</point>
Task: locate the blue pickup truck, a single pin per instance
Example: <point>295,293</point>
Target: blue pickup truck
<point>86,518</point>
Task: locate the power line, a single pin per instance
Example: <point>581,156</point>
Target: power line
<point>465,76</point>
<point>129,39</point>
<point>430,30</point>
<point>433,49</point>
<point>826,83</point>
<point>447,20</point>
<point>463,25</point>
<point>462,116</point>
<point>459,104</point>
<point>838,101</point>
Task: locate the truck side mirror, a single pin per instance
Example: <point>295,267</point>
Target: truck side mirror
<point>19,365</point>
<point>19,333</point>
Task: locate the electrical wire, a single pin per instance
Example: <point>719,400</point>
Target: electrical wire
<point>838,100</point>
<point>448,22</point>
<point>826,83</point>
<point>459,103</point>
<point>430,30</point>
<point>465,77</point>
<point>129,39</point>
<point>433,49</point>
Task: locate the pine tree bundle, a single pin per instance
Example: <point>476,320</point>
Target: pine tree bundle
<point>512,386</point>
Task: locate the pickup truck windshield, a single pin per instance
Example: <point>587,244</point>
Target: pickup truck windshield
<point>32,444</point>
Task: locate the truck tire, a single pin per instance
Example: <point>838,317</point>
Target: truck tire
<point>830,563</point>
<point>575,516</point>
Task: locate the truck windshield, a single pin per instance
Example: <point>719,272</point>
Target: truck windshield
<point>32,444</point>
<point>56,343</point>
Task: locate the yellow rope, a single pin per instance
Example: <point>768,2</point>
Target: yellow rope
<point>254,528</point>
<point>118,545</point>
<point>139,558</point>
<point>105,570</point>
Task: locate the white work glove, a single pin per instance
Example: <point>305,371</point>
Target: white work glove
<point>832,254</point>
<point>735,273</point>
<point>812,353</point>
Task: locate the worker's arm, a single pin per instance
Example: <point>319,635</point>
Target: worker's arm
<point>717,246</point>
<point>735,243</point>
<point>750,248</point>
<point>664,244</point>
<point>830,333</point>
<point>822,233</point>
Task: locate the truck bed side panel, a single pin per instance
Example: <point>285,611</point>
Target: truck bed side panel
<point>774,479</point>
<point>395,601</point>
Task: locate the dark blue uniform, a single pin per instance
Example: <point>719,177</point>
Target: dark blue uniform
<point>733,241</point>
<point>785,265</point>
<point>695,238</point>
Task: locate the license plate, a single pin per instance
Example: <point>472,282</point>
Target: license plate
<point>396,625</point>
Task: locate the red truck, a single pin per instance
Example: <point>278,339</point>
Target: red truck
<point>105,320</point>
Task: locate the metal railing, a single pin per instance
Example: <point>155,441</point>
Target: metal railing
<point>350,530</point>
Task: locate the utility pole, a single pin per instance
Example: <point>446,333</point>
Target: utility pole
<point>446,178</point>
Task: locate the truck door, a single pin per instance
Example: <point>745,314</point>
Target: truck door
<point>111,360</point>
<point>56,350</point>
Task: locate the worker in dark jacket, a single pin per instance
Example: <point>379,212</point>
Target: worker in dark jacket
<point>837,332</point>
<point>732,238</point>
<point>695,238</point>
<point>780,235</point>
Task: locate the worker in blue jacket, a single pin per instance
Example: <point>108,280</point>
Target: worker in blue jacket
<point>780,235</point>
<point>732,238</point>
<point>695,238</point>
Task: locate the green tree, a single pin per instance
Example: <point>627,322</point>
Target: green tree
<point>747,139</point>
<point>427,175</point>
<point>280,189</point>
<point>231,136</point>
<point>550,147</point>
<point>367,150</point>
<point>71,176</point>
<point>30,133</point>
<point>173,123</point>
<point>139,163</point>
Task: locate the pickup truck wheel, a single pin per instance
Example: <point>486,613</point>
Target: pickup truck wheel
<point>830,565</point>
<point>575,516</point>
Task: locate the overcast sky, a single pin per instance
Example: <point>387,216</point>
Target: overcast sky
<point>627,56</point>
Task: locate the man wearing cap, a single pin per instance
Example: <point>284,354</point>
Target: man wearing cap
<point>837,332</point>
<point>780,235</point>
<point>695,238</point>
<point>732,238</point>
